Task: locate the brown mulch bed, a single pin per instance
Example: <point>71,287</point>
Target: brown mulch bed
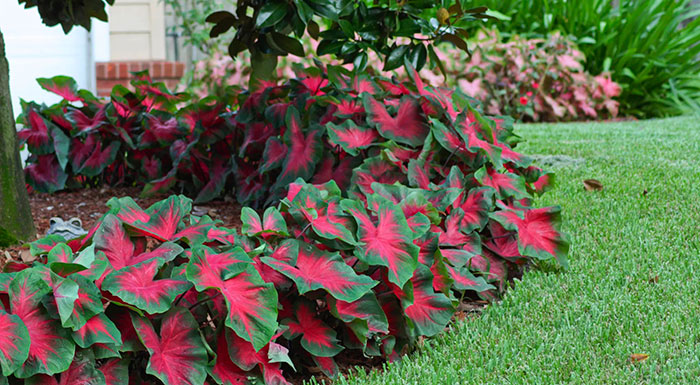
<point>90,204</point>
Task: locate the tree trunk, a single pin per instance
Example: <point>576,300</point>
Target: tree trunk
<point>262,68</point>
<point>16,223</point>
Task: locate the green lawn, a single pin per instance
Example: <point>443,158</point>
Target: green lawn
<point>580,326</point>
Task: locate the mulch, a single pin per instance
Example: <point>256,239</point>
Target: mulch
<point>89,205</point>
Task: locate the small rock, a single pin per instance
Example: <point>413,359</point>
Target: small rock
<point>48,208</point>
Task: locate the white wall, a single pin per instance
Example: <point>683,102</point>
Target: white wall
<point>35,50</point>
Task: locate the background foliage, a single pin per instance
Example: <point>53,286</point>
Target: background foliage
<point>650,47</point>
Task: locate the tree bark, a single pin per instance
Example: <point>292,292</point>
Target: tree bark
<point>16,223</point>
<point>262,68</point>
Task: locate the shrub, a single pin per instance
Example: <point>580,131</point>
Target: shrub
<point>160,293</point>
<point>505,76</point>
<point>317,127</point>
<point>650,47</point>
<point>534,79</point>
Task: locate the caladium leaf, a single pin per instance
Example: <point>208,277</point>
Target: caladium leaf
<point>388,243</point>
<point>274,154</point>
<point>244,355</point>
<point>464,279</point>
<point>165,217</point>
<point>304,150</point>
<point>327,366</point>
<point>45,174</point>
<point>87,305</point>
<point>538,232</point>
<point>376,170</point>
<point>350,136</point>
<point>407,127</point>
<point>316,337</point>
<point>312,269</point>
<point>36,132</point>
<point>428,311</point>
<point>45,244</point>
<point>505,183</point>
<point>323,214</point>
<point>251,302</point>
<point>476,207</point>
<point>98,329</point>
<point>493,267</point>
<point>61,146</point>
<point>366,308</point>
<point>49,352</point>
<point>469,129</point>
<point>14,343</point>
<point>225,372</point>
<point>271,224</point>
<point>62,261</point>
<point>137,286</point>
<point>63,86</point>
<point>65,293</point>
<point>82,370</point>
<point>127,210</point>
<point>98,160</point>
<point>177,353</point>
<point>218,174</point>
<point>115,371</point>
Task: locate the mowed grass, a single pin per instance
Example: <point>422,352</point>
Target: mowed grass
<point>633,286</point>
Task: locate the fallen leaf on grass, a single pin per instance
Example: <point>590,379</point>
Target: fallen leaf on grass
<point>592,185</point>
<point>655,279</point>
<point>638,357</point>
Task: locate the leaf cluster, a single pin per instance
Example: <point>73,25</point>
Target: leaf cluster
<point>349,28</point>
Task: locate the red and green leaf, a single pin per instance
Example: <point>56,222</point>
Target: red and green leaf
<point>304,150</point>
<point>225,372</point>
<point>476,207</point>
<point>45,174</point>
<point>244,355</point>
<point>271,224</point>
<point>165,217</point>
<point>312,269</point>
<point>137,286</point>
<point>323,214</point>
<point>251,302</point>
<point>407,127</point>
<point>36,132</point>
<point>98,329</point>
<point>49,352</point>
<point>428,311</point>
<point>14,343</point>
<point>317,338</point>
<point>63,86</point>
<point>350,136</point>
<point>177,353</point>
<point>505,183</point>
<point>389,242</point>
<point>538,232</point>
<point>115,371</point>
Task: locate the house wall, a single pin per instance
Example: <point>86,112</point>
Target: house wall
<point>35,50</point>
<point>137,30</point>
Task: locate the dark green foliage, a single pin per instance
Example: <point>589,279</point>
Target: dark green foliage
<point>68,13</point>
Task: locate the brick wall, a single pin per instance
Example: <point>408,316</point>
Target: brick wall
<point>112,73</point>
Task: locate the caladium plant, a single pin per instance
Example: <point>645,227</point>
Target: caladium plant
<point>382,211</point>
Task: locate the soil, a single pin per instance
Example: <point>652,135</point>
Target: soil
<point>90,204</point>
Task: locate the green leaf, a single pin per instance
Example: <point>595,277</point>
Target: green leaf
<point>395,58</point>
<point>270,14</point>
<point>288,44</point>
